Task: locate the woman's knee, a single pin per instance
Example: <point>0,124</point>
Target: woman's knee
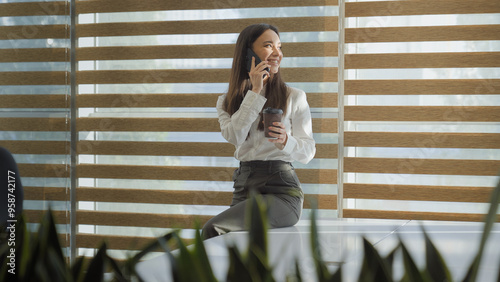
<point>208,231</point>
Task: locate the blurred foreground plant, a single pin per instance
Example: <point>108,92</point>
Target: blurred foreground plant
<point>39,256</point>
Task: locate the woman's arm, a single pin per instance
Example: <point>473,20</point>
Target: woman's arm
<point>235,128</point>
<point>300,144</point>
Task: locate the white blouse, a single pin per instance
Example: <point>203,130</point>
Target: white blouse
<point>300,145</point>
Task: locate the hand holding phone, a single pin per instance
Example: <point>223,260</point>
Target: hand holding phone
<point>250,54</point>
<point>252,62</point>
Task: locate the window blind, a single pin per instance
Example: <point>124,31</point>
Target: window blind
<point>422,109</point>
<point>34,104</point>
<point>151,156</point>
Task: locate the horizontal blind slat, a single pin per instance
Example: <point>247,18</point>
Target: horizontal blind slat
<point>422,33</point>
<point>320,201</point>
<point>358,213</point>
<point>422,113</point>
<point>146,100</point>
<point>175,148</point>
<point>46,8</point>
<point>174,197</point>
<point>155,148</point>
<point>285,24</point>
<point>139,219</point>
<point>311,74</point>
<point>168,197</point>
<point>34,101</point>
<point>422,166</point>
<point>33,124</point>
<point>34,78</point>
<point>34,55</point>
<point>318,100</point>
<point>324,125</point>
<point>418,192</point>
<point>36,147</point>
<point>422,87</point>
<point>35,216</point>
<point>423,60</point>
<point>33,32</point>
<point>114,242</point>
<point>328,151</point>
<point>292,49</point>
<point>46,193</point>
<point>422,140</point>
<point>43,170</point>
<point>421,7</point>
<point>324,176</point>
<point>148,124</point>
<point>108,6</point>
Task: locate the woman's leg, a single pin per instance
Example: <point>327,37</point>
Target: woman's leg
<point>281,212</point>
<point>284,197</point>
<point>278,186</point>
<point>232,219</point>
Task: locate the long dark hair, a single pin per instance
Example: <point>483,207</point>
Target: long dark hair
<point>239,83</point>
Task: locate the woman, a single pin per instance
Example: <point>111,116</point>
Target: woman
<point>265,163</point>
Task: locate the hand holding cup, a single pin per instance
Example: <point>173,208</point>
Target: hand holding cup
<point>274,129</point>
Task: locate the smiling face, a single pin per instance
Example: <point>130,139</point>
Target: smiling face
<point>268,48</point>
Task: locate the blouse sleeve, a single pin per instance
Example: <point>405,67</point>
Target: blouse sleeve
<point>235,128</point>
<point>301,145</point>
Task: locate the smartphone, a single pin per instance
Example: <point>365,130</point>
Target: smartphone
<point>250,54</point>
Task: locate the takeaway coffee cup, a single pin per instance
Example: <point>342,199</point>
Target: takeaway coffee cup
<point>271,115</point>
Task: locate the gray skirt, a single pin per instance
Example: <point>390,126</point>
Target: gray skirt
<point>276,182</point>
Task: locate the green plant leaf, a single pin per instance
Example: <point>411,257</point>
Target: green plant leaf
<point>258,225</point>
<point>374,268</point>
<point>77,269</point>
<point>119,275</point>
<point>174,266</point>
<point>48,260</point>
<point>57,268</point>
<point>258,261</point>
<point>95,271</point>
<point>201,254</point>
<point>5,248</point>
<point>436,266</point>
<point>189,266</point>
<point>29,260</point>
<point>337,276</point>
<point>490,218</point>
<point>186,265</point>
<point>159,243</point>
<point>498,277</point>
<point>389,259</point>
<point>50,235</point>
<point>322,272</point>
<point>298,275</point>
<point>25,249</point>
<point>412,273</point>
<point>4,275</point>
<point>41,273</point>
<point>238,270</point>
<point>151,247</point>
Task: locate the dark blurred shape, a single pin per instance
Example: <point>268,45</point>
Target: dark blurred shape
<point>10,183</point>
